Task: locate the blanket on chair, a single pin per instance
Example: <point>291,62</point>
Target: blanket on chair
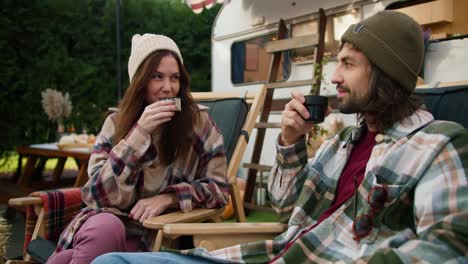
<point>60,206</point>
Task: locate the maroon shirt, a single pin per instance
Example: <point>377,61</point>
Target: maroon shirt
<point>355,167</point>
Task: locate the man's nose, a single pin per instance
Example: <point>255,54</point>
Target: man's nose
<point>337,78</point>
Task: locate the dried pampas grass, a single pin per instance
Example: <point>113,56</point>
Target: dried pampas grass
<point>4,234</point>
<point>56,105</point>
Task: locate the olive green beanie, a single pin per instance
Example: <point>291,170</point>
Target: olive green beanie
<point>393,42</point>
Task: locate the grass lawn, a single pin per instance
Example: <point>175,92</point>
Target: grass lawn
<point>257,216</point>
<point>9,164</point>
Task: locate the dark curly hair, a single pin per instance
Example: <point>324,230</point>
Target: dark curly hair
<point>389,102</point>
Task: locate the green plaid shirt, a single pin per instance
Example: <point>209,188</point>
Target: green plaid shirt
<point>423,163</point>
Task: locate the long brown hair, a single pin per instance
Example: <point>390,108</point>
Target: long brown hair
<point>177,135</point>
<point>389,102</point>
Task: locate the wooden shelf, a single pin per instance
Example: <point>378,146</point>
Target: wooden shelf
<point>439,11</point>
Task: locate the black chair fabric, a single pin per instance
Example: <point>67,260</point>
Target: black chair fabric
<point>229,115</point>
<point>41,249</point>
<point>447,103</point>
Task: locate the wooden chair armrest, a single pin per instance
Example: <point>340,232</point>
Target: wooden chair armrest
<point>18,262</point>
<point>196,215</point>
<point>24,201</point>
<point>224,228</point>
<point>221,235</point>
<point>249,97</point>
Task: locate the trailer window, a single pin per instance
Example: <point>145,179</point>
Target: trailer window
<point>302,29</point>
<point>250,63</point>
<point>336,26</point>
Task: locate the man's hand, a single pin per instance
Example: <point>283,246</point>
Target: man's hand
<point>154,206</point>
<point>293,125</point>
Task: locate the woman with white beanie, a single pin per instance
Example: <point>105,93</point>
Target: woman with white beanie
<point>160,151</point>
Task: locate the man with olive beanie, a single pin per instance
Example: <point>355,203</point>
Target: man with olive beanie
<point>393,189</point>
<point>393,42</point>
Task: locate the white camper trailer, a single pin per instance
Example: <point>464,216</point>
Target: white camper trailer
<point>242,28</point>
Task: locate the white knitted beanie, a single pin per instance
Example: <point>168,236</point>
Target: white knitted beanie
<point>143,46</point>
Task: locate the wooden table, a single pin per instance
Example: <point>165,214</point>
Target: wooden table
<point>38,154</point>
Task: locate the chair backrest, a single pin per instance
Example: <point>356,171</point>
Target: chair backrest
<point>236,121</point>
<point>229,115</point>
<point>447,102</point>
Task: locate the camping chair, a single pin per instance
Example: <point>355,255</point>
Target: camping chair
<point>220,105</point>
<point>447,102</point>
<point>48,212</point>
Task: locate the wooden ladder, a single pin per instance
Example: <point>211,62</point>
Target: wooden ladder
<point>276,47</point>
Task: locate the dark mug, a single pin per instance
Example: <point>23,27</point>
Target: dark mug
<point>317,107</point>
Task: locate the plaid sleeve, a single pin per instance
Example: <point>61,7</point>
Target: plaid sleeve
<point>210,187</point>
<point>285,177</point>
<point>114,170</point>
<point>441,212</point>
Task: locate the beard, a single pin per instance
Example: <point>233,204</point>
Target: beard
<point>351,103</point>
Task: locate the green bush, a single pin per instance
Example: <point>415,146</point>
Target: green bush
<point>70,46</point>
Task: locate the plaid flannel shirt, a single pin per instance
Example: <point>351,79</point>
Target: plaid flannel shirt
<point>121,175</point>
<point>423,163</point>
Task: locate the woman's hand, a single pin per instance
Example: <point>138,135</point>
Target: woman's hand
<point>293,124</point>
<point>156,114</point>
<point>154,206</point>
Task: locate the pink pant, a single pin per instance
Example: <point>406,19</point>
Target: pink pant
<point>100,234</point>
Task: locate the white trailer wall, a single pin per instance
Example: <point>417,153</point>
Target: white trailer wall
<point>246,19</point>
